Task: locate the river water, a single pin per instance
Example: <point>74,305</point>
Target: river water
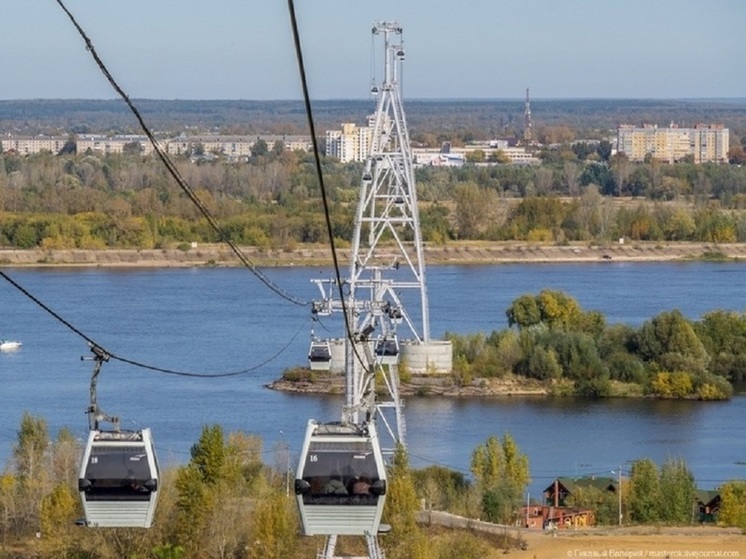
<point>217,320</point>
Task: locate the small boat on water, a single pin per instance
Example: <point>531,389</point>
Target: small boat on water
<point>9,345</point>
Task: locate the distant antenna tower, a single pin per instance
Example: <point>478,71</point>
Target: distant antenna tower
<point>527,132</point>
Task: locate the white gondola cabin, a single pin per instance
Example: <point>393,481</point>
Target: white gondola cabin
<point>319,356</point>
<point>118,480</point>
<point>387,351</point>
<point>340,484</point>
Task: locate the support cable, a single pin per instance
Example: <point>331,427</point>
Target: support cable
<point>139,364</point>
<point>174,172</point>
<point>320,176</point>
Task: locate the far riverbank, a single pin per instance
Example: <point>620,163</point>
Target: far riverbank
<point>318,255</point>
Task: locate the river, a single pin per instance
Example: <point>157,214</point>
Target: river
<point>217,320</point>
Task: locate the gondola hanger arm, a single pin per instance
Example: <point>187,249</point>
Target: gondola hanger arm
<point>95,414</point>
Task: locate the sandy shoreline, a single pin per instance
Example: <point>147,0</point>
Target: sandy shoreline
<point>317,255</point>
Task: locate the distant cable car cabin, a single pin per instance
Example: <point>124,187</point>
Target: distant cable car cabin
<point>395,314</point>
<point>387,351</point>
<point>340,484</point>
<point>118,480</point>
<point>319,356</point>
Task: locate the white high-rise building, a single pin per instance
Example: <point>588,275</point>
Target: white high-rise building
<point>704,142</point>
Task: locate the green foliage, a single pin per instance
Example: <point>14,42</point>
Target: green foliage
<point>275,527</point>
<point>645,492</point>
<point>208,455</point>
<point>59,510</point>
<point>669,341</point>
<point>272,200</point>
<point>554,309</point>
<point>501,473</point>
<point>605,504</point>
<point>217,474</point>
<point>666,495</point>
<point>402,503</point>
<point>672,385</point>
<point>168,551</point>
<point>678,492</point>
<point>33,442</point>
<point>540,363</point>
<point>575,352</point>
<point>441,488</point>
<point>524,312</point>
<point>733,504</point>
<point>723,334</point>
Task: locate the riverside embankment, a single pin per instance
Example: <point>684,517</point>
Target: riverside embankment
<point>315,255</point>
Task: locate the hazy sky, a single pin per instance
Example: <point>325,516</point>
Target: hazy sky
<point>242,49</point>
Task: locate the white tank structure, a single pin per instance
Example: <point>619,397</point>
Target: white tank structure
<point>435,356</point>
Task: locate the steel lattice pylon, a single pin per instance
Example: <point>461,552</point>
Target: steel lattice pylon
<point>387,251</point>
<point>387,233</point>
<point>386,259</point>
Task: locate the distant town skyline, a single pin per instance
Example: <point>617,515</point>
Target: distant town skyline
<point>243,49</point>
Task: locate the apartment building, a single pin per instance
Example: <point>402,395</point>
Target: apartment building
<point>230,146</point>
<point>27,145</point>
<point>97,143</point>
<point>352,143</point>
<point>704,142</point>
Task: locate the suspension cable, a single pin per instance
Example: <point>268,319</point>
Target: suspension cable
<point>223,236</point>
<point>320,176</point>
<point>139,364</point>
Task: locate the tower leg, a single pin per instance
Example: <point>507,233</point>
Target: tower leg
<point>329,548</point>
<point>374,550</point>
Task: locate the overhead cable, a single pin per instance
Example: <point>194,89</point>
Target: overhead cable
<point>223,236</point>
<point>320,175</point>
<point>139,364</point>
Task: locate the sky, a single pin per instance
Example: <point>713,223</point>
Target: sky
<point>243,49</point>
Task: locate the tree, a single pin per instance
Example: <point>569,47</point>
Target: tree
<point>605,504</point>
<point>733,504</point>
<point>502,474</point>
<point>278,148</point>
<point>442,488</point>
<point>401,508</point>
<point>600,175</point>
<point>603,149</point>
<point>621,169</point>
<point>645,492</point>
<point>132,148</point>
<point>669,340</point>
<point>553,308</point>
<point>275,526</point>
<point>473,207</point>
<point>259,148</point>
<point>30,455</point>
<point>524,312</point>
<point>678,492</point>
<point>209,454</point>
<point>475,156</point>
<point>198,484</point>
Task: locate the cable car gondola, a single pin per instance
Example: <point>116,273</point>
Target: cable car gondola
<point>319,356</point>
<point>340,484</point>
<point>118,480</point>
<point>119,477</point>
<point>387,351</point>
